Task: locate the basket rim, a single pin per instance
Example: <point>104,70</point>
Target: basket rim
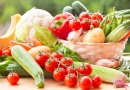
<point>61,40</point>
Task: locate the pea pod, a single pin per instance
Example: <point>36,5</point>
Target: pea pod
<point>109,25</point>
<point>103,22</point>
<point>114,24</point>
<point>120,21</point>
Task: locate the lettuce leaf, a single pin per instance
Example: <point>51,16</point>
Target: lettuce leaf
<point>67,52</point>
<point>44,35</point>
<point>21,33</point>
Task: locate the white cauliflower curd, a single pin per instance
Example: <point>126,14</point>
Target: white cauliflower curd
<point>24,28</point>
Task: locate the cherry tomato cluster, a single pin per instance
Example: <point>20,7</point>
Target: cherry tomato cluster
<point>85,20</point>
<point>6,51</point>
<point>63,69</point>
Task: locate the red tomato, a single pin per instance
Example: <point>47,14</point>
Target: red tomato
<point>95,23</point>
<point>97,16</point>
<point>75,24</point>
<point>70,80</point>
<point>96,81</point>
<point>51,64</point>
<point>85,83</point>
<point>42,58</point>
<point>13,78</point>
<point>70,69</point>
<point>57,55</point>
<point>84,15</point>
<point>85,69</point>
<point>59,74</point>
<point>85,24</point>
<point>67,61</point>
<point>7,52</point>
<point>1,52</point>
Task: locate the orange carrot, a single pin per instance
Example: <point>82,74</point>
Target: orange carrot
<point>36,42</point>
<point>27,47</point>
<point>126,36</point>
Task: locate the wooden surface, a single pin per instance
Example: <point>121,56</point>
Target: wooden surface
<point>50,84</point>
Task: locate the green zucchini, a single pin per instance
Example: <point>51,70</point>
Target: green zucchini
<point>68,9</point>
<point>29,64</point>
<point>78,7</point>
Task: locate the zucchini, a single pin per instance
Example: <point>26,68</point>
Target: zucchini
<point>78,7</point>
<point>68,9</point>
<point>29,64</point>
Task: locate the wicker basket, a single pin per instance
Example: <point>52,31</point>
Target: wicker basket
<point>95,51</point>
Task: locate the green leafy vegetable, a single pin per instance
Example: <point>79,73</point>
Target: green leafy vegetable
<point>67,52</point>
<point>45,35</point>
<point>21,33</point>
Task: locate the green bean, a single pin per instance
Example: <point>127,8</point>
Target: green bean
<point>114,24</point>
<point>109,25</point>
<point>120,21</point>
<point>103,22</point>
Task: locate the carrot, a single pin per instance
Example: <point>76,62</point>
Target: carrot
<point>27,47</point>
<point>126,36</point>
<point>36,42</point>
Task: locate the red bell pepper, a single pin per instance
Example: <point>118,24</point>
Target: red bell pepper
<point>60,25</point>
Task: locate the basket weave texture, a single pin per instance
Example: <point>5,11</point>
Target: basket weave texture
<point>95,51</point>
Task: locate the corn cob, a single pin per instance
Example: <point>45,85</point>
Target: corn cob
<point>107,74</point>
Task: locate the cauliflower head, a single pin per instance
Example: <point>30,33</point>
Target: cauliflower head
<point>25,27</point>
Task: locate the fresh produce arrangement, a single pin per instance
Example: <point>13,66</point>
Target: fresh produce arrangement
<point>34,48</point>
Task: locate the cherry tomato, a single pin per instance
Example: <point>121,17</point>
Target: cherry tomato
<point>13,78</point>
<point>84,15</point>
<point>95,23</point>
<point>85,69</point>
<point>67,61</point>
<point>85,83</point>
<point>42,58</point>
<point>96,81</point>
<point>75,24</point>
<point>71,69</point>
<point>7,52</point>
<point>70,80</point>
<point>85,24</point>
<point>51,64</point>
<point>58,55</point>
<point>97,16</point>
<point>59,74</point>
<point>1,52</point>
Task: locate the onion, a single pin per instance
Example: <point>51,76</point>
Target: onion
<point>119,84</point>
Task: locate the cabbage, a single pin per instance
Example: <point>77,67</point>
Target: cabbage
<point>44,35</point>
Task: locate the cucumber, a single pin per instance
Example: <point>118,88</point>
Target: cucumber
<point>24,59</point>
<point>78,7</point>
<point>68,9</point>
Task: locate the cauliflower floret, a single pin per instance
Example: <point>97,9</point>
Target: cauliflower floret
<point>34,16</point>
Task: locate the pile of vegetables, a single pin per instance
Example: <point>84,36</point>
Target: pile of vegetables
<point>35,49</point>
<point>58,63</point>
